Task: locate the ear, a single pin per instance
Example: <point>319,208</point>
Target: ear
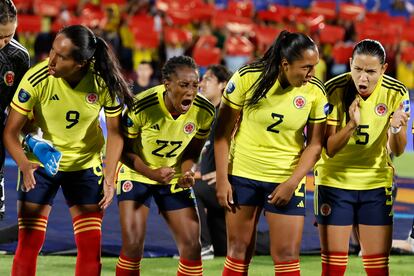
<point>350,62</point>
<point>284,64</point>
<point>384,67</point>
<point>222,85</point>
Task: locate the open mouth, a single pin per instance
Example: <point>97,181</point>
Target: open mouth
<point>185,105</point>
<point>362,88</point>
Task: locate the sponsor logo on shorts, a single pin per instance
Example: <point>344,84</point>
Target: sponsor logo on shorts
<point>127,186</point>
<point>189,128</point>
<point>299,102</point>
<point>91,98</point>
<point>381,109</point>
<point>325,209</point>
<point>9,78</point>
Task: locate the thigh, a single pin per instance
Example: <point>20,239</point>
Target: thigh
<point>334,238</point>
<point>295,207</point>
<point>28,209</point>
<point>83,187</point>
<point>375,207</point>
<point>335,206</point>
<point>375,239</point>
<point>133,217</point>
<point>247,192</point>
<point>44,191</point>
<point>183,223</point>
<point>138,192</point>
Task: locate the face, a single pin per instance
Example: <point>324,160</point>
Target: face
<point>210,86</point>
<point>181,89</point>
<point>144,70</point>
<point>6,33</point>
<point>61,63</point>
<point>299,72</point>
<point>366,70</point>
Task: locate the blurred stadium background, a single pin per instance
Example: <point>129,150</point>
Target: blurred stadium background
<point>223,31</point>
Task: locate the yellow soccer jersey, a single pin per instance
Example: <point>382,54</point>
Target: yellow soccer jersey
<point>68,117</point>
<point>364,162</point>
<point>161,139</point>
<point>270,138</point>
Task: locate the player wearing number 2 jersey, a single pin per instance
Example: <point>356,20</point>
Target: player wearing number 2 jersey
<point>165,131</point>
<point>63,95</point>
<point>368,110</point>
<point>274,99</point>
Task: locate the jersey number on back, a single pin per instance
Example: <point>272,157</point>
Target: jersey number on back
<point>279,118</point>
<point>72,117</point>
<point>169,148</point>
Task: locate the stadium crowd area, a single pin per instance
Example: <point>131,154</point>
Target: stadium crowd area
<point>231,32</point>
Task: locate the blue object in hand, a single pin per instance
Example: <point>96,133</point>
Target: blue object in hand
<point>45,153</point>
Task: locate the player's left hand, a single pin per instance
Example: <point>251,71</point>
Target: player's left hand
<point>282,194</point>
<point>109,191</point>
<point>209,177</point>
<point>186,180</point>
<point>400,117</point>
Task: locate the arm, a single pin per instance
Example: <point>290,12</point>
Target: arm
<point>14,125</point>
<point>398,132</point>
<point>190,157</point>
<point>226,122</point>
<point>283,192</point>
<point>338,139</point>
<point>162,175</point>
<point>114,145</point>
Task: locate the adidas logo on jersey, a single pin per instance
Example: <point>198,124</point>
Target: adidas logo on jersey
<point>156,127</point>
<point>300,204</point>
<point>54,97</point>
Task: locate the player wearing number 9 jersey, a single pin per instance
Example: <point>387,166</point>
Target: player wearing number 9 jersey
<point>368,110</point>
<point>264,165</point>
<point>165,131</point>
<point>63,96</point>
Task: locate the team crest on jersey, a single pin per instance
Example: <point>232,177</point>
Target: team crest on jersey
<point>189,128</point>
<point>299,102</point>
<point>127,186</point>
<point>230,87</point>
<point>325,209</point>
<point>24,96</point>
<point>91,98</point>
<point>381,109</point>
<point>9,78</point>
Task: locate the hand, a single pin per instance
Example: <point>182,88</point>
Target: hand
<point>109,191</point>
<point>224,194</point>
<point>45,153</point>
<point>282,194</point>
<point>209,177</point>
<point>29,180</point>
<point>186,180</point>
<point>399,118</point>
<point>354,114</point>
<point>162,175</point>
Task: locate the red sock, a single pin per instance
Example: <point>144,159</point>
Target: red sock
<point>87,229</point>
<point>334,263</point>
<point>290,268</point>
<point>376,265</point>
<point>32,232</point>
<point>190,268</point>
<point>128,266</point>
<point>234,267</point>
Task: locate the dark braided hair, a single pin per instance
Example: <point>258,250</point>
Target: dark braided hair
<point>8,12</point>
<point>95,50</point>
<point>367,47</point>
<point>171,66</point>
<point>289,46</point>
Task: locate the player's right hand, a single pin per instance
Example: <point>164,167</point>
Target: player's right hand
<point>354,113</point>
<point>162,175</point>
<point>29,180</point>
<point>224,194</point>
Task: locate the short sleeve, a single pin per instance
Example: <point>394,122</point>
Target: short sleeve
<point>320,107</point>
<point>204,130</point>
<point>112,107</point>
<point>25,97</point>
<point>334,109</point>
<point>235,93</point>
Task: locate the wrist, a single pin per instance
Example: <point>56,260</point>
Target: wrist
<point>395,130</point>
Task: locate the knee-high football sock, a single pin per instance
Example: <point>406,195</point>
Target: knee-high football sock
<point>87,229</point>
<point>128,266</point>
<point>376,265</point>
<point>334,263</point>
<point>234,267</point>
<point>32,232</point>
<point>290,268</point>
<point>190,268</point>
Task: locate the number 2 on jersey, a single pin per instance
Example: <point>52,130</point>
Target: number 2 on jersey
<point>72,117</point>
<point>279,118</point>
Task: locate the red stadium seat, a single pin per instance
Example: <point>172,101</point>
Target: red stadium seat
<point>408,34</point>
<point>341,53</point>
<point>234,23</point>
<point>407,54</point>
<point>206,56</point>
<point>237,45</point>
<point>351,12</point>
<point>327,9</point>
<point>23,5</point>
<point>331,34</point>
<point>117,2</point>
<point>206,41</point>
<point>29,23</point>
<point>47,7</point>
<point>243,8</point>
<point>176,36</point>
<point>265,37</point>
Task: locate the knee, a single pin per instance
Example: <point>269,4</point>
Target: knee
<point>238,248</point>
<point>285,253</point>
<point>192,246</point>
<point>132,245</point>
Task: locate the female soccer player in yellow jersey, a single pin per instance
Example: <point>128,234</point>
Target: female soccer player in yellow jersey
<point>64,94</point>
<point>165,131</point>
<point>368,109</point>
<point>264,165</point>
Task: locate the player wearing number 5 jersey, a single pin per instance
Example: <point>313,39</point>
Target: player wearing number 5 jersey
<point>368,110</point>
<point>165,132</point>
<point>63,95</point>
<point>274,99</point>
